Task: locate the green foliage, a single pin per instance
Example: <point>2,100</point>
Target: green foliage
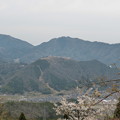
<point>43,64</point>
<point>34,85</point>
<point>51,74</point>
<point>59,83</point>
<point>33,70</point>
<point>22,116</point>
<point>14,86</point>
<point>117,111</point>
<point>32,111</point>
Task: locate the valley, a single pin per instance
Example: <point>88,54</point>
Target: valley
<point>33,78</point>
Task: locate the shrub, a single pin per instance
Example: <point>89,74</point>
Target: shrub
<point>117,111</point>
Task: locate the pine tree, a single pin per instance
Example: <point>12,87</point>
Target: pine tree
<point>22,117</point>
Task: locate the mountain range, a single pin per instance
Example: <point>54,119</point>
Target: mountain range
<point>62,63</point>
<point>53,74</point>
<point>78,49</point>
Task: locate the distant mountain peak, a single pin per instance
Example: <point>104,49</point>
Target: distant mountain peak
<point>79,39</point>
<point>12,48</point>
<point>4,35</point>
<point>67,38</point>
<point>63,46</point>
<point>77,49</point>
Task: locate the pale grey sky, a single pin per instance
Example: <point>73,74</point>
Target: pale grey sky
<point>37,21</point>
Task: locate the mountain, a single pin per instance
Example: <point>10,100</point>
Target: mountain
<point>12,48</point>
<point>7,69</point>
<point>52,74</point>
<point>76,49</point>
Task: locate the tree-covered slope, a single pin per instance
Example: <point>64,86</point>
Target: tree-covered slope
<point>13,48</point>
<point>51,74</point>
<point>32,111</point>
<point>76,49</point>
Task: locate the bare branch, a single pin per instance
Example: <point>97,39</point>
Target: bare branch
<point>106,97</point>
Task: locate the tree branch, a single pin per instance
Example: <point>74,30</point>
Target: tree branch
<point>106,97</point>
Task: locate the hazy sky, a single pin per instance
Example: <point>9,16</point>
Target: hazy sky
<point>40,20</point>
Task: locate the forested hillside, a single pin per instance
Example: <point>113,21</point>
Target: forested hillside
<point>51,74</point>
